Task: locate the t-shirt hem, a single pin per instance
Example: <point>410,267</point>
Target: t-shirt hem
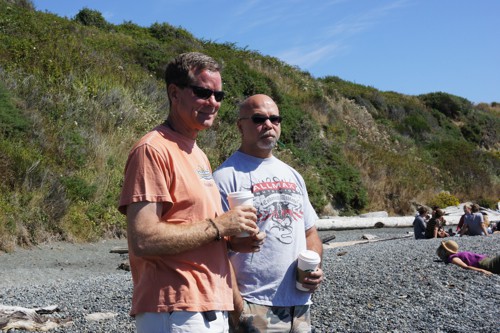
<point>271,303</point>
<point>184,307</point>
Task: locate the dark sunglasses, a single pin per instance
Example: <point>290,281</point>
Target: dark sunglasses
<point>260,119</point>
<point>205,93</point>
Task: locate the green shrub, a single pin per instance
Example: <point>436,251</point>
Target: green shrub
<point>78,189</point>
<point>242,81</point>
<point>164,32</point>
<point>415,125</point>
<point>12,121</point>
<point>487,203</point>
<point>78,226</point>
<point>91,17</point>
<point>443,200</point>
<point>150,55</point>
<point>466,169</point>
<point>20,164</point>
<point>472,133</point>
<point>450,105</point>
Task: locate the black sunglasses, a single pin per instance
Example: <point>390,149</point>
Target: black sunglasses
<point>260,119</point>
<point>205,93</point>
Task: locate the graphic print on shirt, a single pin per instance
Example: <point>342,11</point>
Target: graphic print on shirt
<point>280,206</point>
<point>205,176</point>
<point>204,173</point>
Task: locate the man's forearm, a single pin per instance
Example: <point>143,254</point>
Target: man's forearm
<point>168,239</point>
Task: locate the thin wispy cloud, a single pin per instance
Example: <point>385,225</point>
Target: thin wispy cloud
<point>252,15</point>
<point>333,39</point>
<point>307,58</point>
<point>244,7</point>
<point>361,22</point>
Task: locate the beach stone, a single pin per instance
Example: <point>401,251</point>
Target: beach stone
<point>369,237</point>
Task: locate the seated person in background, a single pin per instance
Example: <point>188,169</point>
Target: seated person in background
<point>467,211</point>
<point>419,224</point>
<point>474,223</point>
<point>494,227</point>
<point>448,252</point>
<point>486,222</point>
<point>434,227</point>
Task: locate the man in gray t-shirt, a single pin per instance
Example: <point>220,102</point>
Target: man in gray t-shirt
<point>266,279</point>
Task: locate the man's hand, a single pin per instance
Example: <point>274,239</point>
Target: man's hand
<point>237,220</point>
<point>247,244</point>
<point>313,280</point>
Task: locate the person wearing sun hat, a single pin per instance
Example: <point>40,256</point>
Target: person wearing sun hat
<point>448,252</point>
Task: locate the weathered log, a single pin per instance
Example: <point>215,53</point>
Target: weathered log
<point>16,317</point>
<point>356,222</point>
<point>365,241</point>
<point>119,250</point>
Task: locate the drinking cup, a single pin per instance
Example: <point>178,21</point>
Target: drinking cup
<point>240,198</point>
<point>307,262</point>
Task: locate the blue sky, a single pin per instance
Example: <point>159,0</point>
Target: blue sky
<point>408,46</point>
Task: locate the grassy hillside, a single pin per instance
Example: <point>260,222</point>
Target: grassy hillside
<point>76,94</point>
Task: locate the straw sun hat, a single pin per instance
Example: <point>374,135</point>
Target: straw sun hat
<point>450,246</point>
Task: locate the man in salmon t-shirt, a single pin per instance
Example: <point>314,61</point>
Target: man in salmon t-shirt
<point>176,225</point>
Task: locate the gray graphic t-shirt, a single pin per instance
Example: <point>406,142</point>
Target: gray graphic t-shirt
<point>284,213</point>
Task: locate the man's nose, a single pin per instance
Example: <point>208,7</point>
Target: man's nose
<point>268,123</point>
<point>212,100</point>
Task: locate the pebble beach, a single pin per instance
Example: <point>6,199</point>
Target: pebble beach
<point>393,285</point>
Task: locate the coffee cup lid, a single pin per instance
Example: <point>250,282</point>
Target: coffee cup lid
<point>240,194</point>
<point>310,256</point>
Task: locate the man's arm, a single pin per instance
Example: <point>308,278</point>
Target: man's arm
<point>234,316</point>
<point>149,236</point>
<point>314,243</point>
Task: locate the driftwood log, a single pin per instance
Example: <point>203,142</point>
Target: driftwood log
<point>16,317</point>
<point>119,250</point>
<point>368,239</point>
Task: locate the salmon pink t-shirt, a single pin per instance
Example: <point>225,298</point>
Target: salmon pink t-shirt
<point>169,168</point>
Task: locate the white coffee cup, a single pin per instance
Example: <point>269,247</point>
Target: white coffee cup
<point>240,198</point>
<point>307,262</point>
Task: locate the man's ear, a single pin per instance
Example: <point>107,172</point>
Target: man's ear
<point>239,127</point>
<point>173,91</point>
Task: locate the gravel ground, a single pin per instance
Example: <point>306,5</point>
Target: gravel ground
<point>397,285</point>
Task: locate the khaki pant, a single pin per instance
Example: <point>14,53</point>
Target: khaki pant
<point>261,318</point>
<point>491,264</point>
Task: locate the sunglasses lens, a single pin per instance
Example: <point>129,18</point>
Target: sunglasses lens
<point>205,93</point>
<point>202,92</point>
<point>219,95</point>
<point>275,119</point>
<point>258,119</point>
